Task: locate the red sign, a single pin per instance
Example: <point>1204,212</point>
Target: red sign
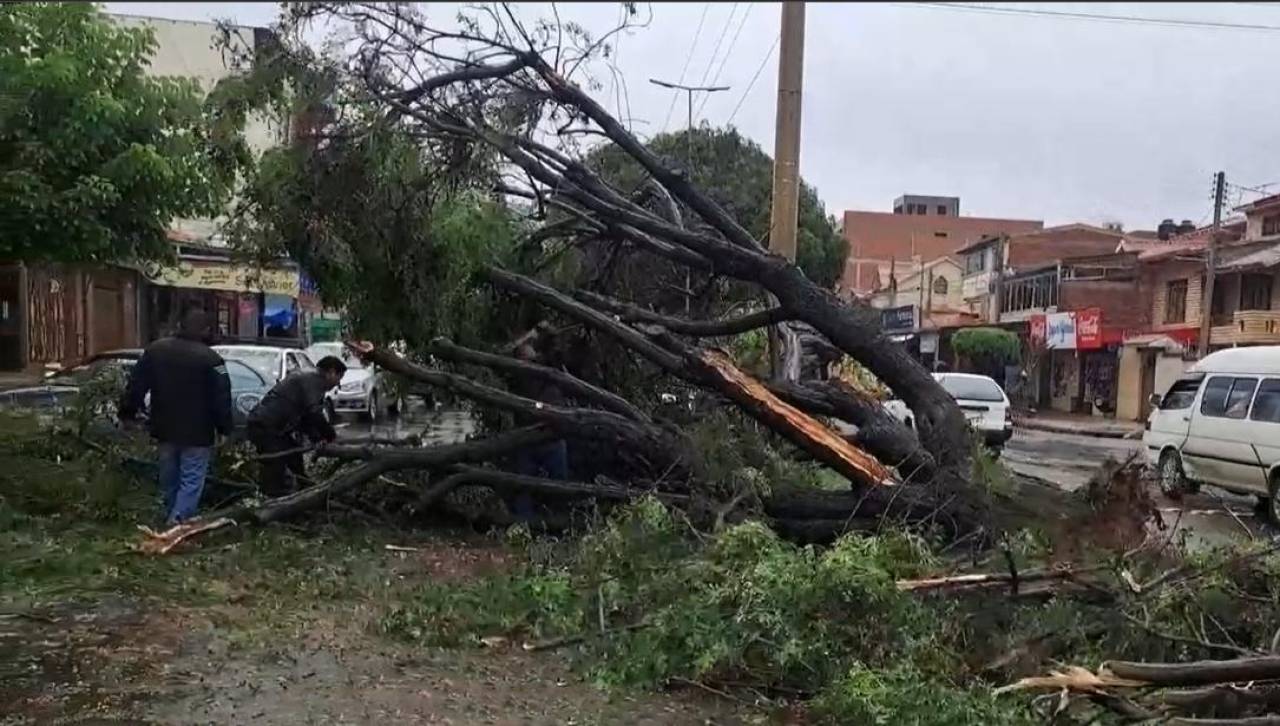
<point>1089,329</point>
<point>1036,326</point>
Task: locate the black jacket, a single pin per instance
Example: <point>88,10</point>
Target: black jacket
<point>190,392</point>
<point>294,404</point>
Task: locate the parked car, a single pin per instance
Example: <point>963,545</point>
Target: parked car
<point>1219,423</point>
<point>60,387</point>
<point>984,403</point>
<point>364,389</point>
<point>271,362</point>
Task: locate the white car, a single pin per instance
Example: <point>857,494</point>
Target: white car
<point>1220,423</point>
<point>363,388</point>
<point>272,363</point>
<point>985,406</point>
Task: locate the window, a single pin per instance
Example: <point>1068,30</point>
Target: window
<point>897,209</point>
<point>1214,402</point>
<point>975,262</point>
<point>1255,292</point>
<point>242,376</point>
<point>1181,394</point>
<point>943,235</point>
<point>1175,301</point>
<point>1266,407</point>
<point>1240,397</point>
<point>305,363</point>
<point>1271,225</point>
<point>291,364</point>
<point>972,388</point>
<point>942,210</point>
<point>940,285</point>
<point>1226,397</point>
<point>921,209</point>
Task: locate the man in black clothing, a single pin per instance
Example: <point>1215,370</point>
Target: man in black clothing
<point>294,406</point>
<point>190,401</point>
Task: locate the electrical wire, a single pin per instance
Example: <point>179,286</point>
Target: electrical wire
<point>732,42</point>
<point>752,83</point>
<point>719,41</point>
<point>1068,15</point>
<point>692,47</point>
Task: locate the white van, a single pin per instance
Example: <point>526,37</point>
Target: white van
<point>1219,423</point>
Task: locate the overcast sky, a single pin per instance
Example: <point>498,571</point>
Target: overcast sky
<point>1054,118</point>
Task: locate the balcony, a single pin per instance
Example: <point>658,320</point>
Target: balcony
<point>1246,327</point>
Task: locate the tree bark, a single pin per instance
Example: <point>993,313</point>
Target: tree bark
<point>1198,673</point>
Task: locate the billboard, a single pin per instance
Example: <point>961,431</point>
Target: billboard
<point>1060,331</point>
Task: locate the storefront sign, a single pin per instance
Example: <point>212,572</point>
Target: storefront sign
<point>928,342</point>
<point>900,318</point>
<point>1036,327</point>
<point>233,278</point>
<point>1089,329</point>
<point>1060,331</point>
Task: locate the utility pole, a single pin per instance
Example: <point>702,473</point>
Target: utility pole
<point>1211,264</point>
<point>688,162</point>
<point>784,211</point>
<point>786,142</point>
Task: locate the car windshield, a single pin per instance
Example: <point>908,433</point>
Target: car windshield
<point>972,389</point>
<point>338,350</point>
<point>265,362</point>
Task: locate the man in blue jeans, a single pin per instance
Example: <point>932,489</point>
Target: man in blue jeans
<point>190,403</point>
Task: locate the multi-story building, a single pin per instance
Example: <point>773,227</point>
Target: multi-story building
<point>919,306</point>
<point>919,230</point>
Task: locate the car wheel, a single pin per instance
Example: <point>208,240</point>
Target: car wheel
<point>1273,501</point>
<point>1173,482</point>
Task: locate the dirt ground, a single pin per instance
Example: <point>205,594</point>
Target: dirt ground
<point>137,659</point>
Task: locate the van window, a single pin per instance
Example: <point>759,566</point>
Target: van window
<point>1266,407</point>
<point>1181,394</point>
<point>1214,402</point>
<point>1228,397</point>
<point>1240,397</point>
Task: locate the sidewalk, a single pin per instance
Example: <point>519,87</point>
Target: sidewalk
<point>1078,424</point>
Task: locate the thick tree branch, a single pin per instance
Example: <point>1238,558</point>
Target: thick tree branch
<point>697,328</point>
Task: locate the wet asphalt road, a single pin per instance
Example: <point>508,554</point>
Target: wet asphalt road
<point>1209,517</point>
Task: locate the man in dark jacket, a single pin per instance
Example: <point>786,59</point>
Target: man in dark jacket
<point>294,406</point>
<point>190,402</point>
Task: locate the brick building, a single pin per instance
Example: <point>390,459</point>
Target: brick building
<point>919,230</point>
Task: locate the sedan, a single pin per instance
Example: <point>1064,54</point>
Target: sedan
<point>984,403</point>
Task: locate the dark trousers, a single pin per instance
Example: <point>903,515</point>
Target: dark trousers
<point>274,471</point>
<point>550,460</point>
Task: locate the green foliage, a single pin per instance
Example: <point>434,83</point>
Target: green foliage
<point>987,345</point>
<point>96,157</point>
<point>735,172</point>
<point>902,695</point>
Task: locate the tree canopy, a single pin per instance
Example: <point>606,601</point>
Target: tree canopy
<point>97,157</point>
<point>738,175</point>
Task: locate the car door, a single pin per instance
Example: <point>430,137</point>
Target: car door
<point>1219,447</point>
<point>1170,422</point>
<point>1264,419</point>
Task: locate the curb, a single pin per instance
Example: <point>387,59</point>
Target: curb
<point>1096,433</point>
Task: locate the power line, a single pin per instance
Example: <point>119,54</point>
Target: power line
<point>719,41</point>
<point>692,47</point>
<point>1063,14</point>
<point>752,83</point>
<point>732,42</point>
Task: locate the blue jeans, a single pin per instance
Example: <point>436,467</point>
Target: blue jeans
<point>182,472</point>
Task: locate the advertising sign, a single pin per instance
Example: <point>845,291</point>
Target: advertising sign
<point>898,319</point>
<point>1060,331</point>
<point>232,278</point>
<point>1089,329</point>
<point>1036,327</point>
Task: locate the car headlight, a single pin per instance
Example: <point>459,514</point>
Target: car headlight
<point>246,402</point>
<point>352,387</point>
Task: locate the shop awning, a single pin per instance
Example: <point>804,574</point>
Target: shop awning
<point>228,277</point>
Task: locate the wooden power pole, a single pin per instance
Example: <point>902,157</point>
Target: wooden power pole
<point>1211,264</point>
<point>786,142</point>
